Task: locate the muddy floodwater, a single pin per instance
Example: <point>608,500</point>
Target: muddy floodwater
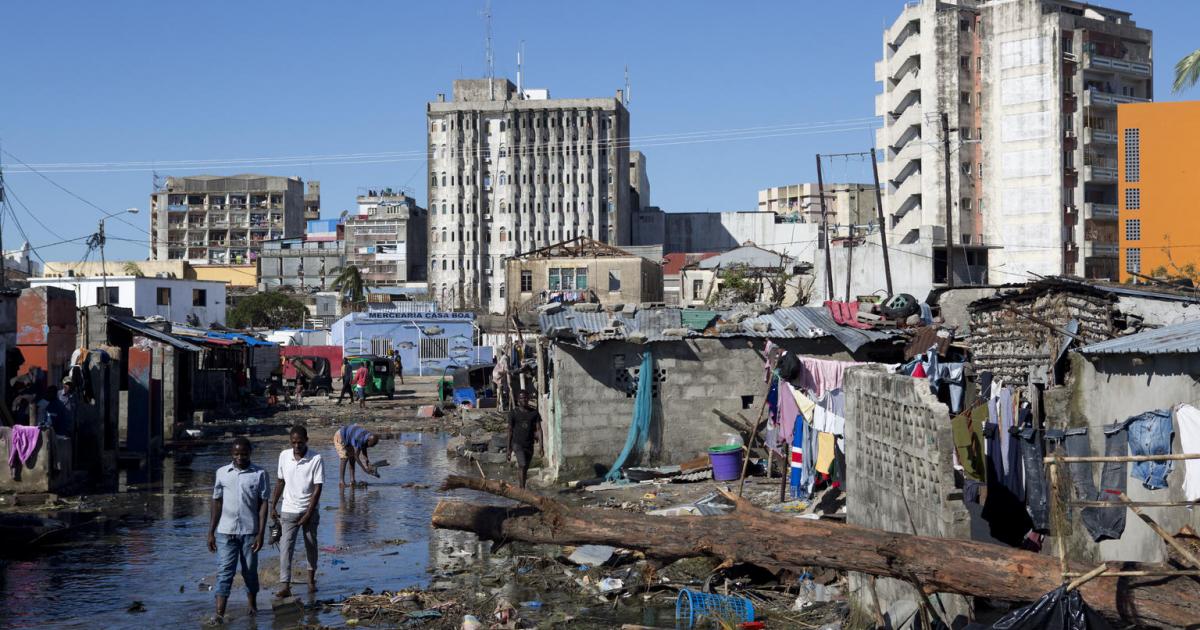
<point>154,550</point>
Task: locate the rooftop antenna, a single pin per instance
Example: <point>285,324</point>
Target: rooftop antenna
<point>487,20</point>
<point>520,86</point>
<point>626,93</point>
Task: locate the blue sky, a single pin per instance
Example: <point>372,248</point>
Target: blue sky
<point>161,82</point>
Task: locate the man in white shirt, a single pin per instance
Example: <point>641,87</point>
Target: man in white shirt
<point>300,475</point>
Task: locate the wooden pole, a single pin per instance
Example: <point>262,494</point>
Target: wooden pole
<point>1158,529</point>
<point>825,233</point>
<point>883,227</point>
<point>1058,517</point>
<point>1086,577</point>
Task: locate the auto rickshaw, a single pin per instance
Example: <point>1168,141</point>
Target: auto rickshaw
<point>381,376</point>
<point>316,370</point>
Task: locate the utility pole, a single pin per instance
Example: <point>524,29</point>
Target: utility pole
<point>3,260</point>
<point>949,202</point>
<point>883,228</point>
<point>849,260</point>
<point>103,263</point>
<point>825,232</point>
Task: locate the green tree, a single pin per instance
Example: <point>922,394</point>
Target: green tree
<point>132,269</point>
<point>267,310</point>
<point>349,283</point>
<point>1187,71</point>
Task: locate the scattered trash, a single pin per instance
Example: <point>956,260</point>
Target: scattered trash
<point>692,608</point>
<point>812,592</point>
<point>504,611</point>
<point>712,504</point>
<point>424,614</point>
<point>471,622</point>
<point>591,555</point>
<point>204,586</point>
<point>136,607</point>
<point>337,561</point>
<point>608,585</point>
<point>531,604</point>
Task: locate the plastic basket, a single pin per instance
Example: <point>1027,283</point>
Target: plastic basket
<point>691,607</point>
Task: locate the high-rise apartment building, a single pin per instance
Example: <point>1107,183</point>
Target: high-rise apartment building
<point>1030,89</point>
<point>386,238</point>
<point>207,219</point>
<point>1158,226</point>
<point>845,204</point>
<point>511,171</point>
<point>312,201</point>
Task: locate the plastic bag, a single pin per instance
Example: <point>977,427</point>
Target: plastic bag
<point>1056,610</point>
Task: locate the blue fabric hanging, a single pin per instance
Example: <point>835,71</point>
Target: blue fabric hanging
<point>639,429</point>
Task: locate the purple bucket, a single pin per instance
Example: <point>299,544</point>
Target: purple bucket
<point>726,462</point>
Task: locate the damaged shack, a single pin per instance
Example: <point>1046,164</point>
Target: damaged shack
<point>702,360</point>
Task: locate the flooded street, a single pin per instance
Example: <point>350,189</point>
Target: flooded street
<point>376,537</point>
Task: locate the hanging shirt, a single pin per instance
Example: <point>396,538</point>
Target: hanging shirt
<point>819,375</point>
<point>788,410</point>
<point>1188,418</point>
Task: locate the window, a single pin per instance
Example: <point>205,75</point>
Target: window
<point>581,279</point>
<point>199,297</point>
<point>964,98</point>
<point>697,289</point>
<point>1133,229</point>
<point>433,348</point>
<point>554,279</point>
<point>381,346</point>
<point>964,62</point>
<point>1133,198</point>
<point>526,281</point>
<point>568,279</point>
<point>965,204</point>
<point>1133,260</point>
<point>964,25</point>
<point>614,280</point>
<point>113,296</point>
<point>164,296</point>
<point>1133,155</point>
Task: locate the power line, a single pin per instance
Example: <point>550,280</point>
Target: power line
<point>69,192</point>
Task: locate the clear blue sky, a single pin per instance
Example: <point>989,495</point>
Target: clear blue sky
<point>159,82</point>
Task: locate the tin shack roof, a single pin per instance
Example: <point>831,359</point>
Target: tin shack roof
<point>587,328</point>
<point>1183,338</point>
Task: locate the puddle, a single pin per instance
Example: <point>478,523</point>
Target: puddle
<point>157,554</point>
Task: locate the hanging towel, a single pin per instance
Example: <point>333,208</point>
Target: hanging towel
<point>799,489</point>
<point>825,445</point>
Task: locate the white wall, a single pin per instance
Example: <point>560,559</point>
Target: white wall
<point>141,296</point>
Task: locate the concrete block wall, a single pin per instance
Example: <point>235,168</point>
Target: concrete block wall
<point>593,394</point>
<point>900,473</point>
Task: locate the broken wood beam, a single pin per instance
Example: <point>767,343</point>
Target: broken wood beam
<point>775,541</point>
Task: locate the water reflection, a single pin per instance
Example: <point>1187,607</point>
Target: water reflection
<point>153,548</point>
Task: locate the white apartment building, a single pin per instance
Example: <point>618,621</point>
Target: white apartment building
<point>200,301</point>
<point>511,171</point>
<point>1030,88</point>
<point>386,239</point>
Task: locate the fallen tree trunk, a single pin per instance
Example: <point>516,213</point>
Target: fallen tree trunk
<point>753,535</point>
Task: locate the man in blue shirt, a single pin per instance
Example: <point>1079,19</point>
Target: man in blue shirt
<point>239,516</point>
<point>351,443</point>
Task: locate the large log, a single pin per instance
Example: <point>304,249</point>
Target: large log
<point>753,535</point>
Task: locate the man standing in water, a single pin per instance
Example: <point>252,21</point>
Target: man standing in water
<point>300,477</point>
<point>524,428</point>
<point>239,516</point>
<point>351,443</point>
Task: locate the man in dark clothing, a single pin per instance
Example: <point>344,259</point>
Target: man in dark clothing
<point>524,428</point>
<point>347,383</point>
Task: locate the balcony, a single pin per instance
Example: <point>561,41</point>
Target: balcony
<point>1101,211</point>
<point>1094,98</point>
<point>1099,136</point>
<point>177,207</point>
<point>1102,174</point>
<point>1099,250</point>
<point>1092,61</point>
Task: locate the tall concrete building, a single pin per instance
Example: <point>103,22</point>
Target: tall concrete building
<point>845,204</point>
<point>512,171</point>
<point>1030,89</point>
<point>312,201</point>
<point>223,220</point>
<point>387,238</point>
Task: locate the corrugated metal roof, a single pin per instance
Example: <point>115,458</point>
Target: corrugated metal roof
<point>802,322</point>
<point>139,328</point>
<point>1181,338</point>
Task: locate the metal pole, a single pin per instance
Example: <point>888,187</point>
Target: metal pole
<point>103,264</point>
<point>883,228</point>
<point>949,202</point>
<point>825,232</point>
<point>849,260</point>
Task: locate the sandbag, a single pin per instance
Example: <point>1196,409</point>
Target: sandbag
<point>1056,610</point>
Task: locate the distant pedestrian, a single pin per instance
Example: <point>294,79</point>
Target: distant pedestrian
<point>237,522</point>
<point>300,477</point>
<point>524,428</point>
<point>301,385</point>
<point>351,443</point>
<point>360,385</point>
<point>347,383</point>
<point>399,367</point>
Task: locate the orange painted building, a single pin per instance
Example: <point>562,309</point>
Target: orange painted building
<point>1159,174</point>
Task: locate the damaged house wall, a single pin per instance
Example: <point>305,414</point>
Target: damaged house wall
<point>900,472</point>
<point>593,396</point>
<point>1111,388</point>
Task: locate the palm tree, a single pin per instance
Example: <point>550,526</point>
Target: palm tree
<point>1187,71</point>
<point>132,269</point>
<point>349,283</point>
